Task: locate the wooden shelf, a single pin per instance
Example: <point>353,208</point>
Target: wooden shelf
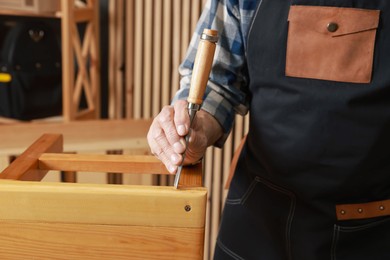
<point>82,50</point>
<point>29,13</point>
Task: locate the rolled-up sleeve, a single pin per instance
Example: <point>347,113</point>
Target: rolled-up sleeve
<point>227,89</point>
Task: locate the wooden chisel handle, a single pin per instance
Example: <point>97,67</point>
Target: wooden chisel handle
<point>202,66</point>
<point>200,75</point>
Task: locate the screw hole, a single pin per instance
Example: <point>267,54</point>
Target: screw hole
<point>187,208</point>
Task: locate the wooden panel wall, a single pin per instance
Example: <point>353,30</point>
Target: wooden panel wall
<point>144,77</point>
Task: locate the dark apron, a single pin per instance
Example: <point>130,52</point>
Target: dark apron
<point>318,138</point>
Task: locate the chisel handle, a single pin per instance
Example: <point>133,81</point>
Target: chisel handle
<point>202,66</point>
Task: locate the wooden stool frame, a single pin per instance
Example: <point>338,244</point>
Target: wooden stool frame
<point>97,221</point>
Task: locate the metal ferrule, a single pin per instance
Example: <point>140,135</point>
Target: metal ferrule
<point>192,109</point>
<point>209,38</point>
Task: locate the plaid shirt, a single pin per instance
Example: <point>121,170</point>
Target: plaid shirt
<point>226,92</point>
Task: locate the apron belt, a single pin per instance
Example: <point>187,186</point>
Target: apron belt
<point>363,210</point>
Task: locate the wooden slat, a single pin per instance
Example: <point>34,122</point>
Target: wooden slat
<point>102,163</point>
<point>167,52</point>
<point>157,57</point>
<point>191,177</point>
<point>208,185</point>
<point>102,204</point>
<point>112,30</point>
<point>195,13</point>
<point>185,29</point>
<point>147,59</point>
<point>129,57</point>
<point>25,167</point>
<point>19,241</point>
<point>84,14</point>
<point>119,60</point>
<point>216,198</point>
<point>67,21</point>
<point>80,136</point>
<point>82,75</point>
<point>94,63</point>
<point>138,60</point>
<point>176,46</point>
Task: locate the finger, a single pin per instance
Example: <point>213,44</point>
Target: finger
<point>162,155</point>
<point>161,147</point>
<point>166,121</point>
<point>181,117</point>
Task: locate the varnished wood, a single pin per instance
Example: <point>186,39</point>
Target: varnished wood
<point>68,241</point>
<point>118,163</point>
<point>202,67</point>
<point>25,167</point>
<point>67,21</point>
<point>102,204</point>
<point>191,177</point>
<point>133,222</point>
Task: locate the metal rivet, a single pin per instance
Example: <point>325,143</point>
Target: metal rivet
<point>381,207</point>
<point>342,212</point>
<point>332,27</point>
<point>187,208</point>
<point>360,210</point>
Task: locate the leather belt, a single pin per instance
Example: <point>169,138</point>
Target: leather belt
<point>363,210</point>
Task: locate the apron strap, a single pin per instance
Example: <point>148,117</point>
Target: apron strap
<point>233,164</point>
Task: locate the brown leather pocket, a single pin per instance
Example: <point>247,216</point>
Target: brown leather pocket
<point>331,43</point>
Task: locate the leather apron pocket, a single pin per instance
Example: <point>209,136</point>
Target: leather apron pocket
<point>356,240</point>
<point>331,43</point>
<point>256,223</point>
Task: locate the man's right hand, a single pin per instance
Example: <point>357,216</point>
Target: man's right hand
<point>167,133</point>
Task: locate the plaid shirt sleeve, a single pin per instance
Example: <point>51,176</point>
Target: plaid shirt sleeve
<point>226,92</point>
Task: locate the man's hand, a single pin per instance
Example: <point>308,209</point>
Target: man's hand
<point>169,128</point>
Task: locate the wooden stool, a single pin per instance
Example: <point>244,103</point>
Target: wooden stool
<point>97,221</point>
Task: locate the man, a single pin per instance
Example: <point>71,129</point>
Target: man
<point>313,178</point>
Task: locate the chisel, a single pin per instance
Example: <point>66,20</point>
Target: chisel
<point>200,75</point>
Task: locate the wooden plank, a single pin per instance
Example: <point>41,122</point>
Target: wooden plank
<point>112,11</point>
<point>208,185</point>
<point>129,16</point>
<point>185,27</point>
<point>147,59</point>
<point>195,13</point>
<point>157,57</point>
<point>216,197</point>
<point>191,176</point>
<point>116,163</point>
<point>138,58</point>
<point>25,166</point>
<point>119,60</point>
<point>95,63</point>
<point>84,14</point>
<point>176,38</point>
<point>67,21</point>
<point>102,204</point>
<point>47,241</point>
<point>80,136</point>
<point>167,50</point>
